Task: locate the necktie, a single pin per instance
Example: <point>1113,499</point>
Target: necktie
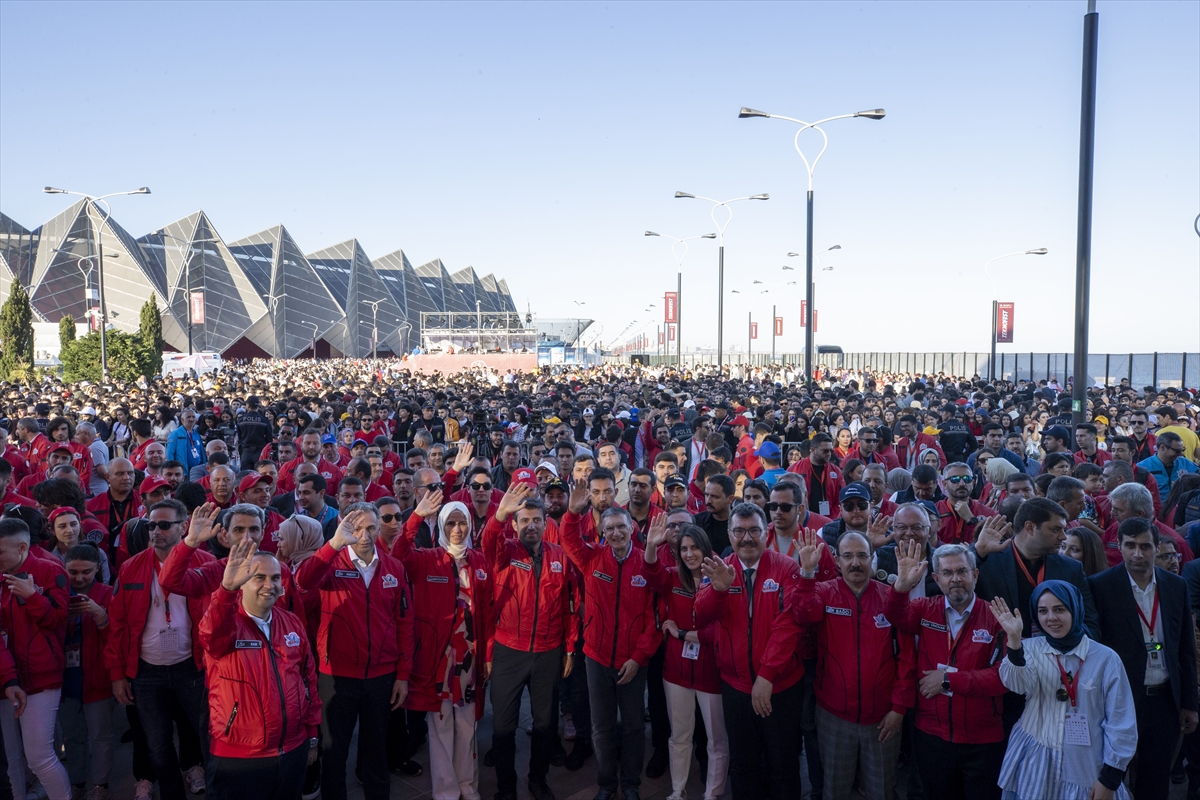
<point>748,579</point>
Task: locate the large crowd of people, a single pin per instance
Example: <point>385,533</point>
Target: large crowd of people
<point>927,579</point>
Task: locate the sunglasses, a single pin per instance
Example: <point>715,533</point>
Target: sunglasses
<point>433,487</point>
<point>388,519</point>
<point>481,487</point>
<point>786,508</point>
<point>165,524</point>
<point>959,479</point>
<point>854,505</point>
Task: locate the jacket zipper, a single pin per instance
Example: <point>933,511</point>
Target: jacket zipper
<point>750,629</point>
<point>858,655</point>
<point>367,666</point>
<point>617,615</point>
<point>232,714</point>
<point>282,697</point>
<point>537,595</point>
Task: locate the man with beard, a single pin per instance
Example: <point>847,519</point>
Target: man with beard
<point>640,485</point>
<point>310,447</point>
<point>119,504</point>
<point>823,480</point>
<point>156,456</point>
<point>718,499</point>
<point>959,515</point>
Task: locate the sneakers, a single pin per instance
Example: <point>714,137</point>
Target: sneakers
<point>312,788</point>
<point>194,779</point>
<point>680,795</point>
<point>409,768</point>
<point>580,753</point>
<point>143,790</point>
<point>568,728</point>
<point>98,793</point>
<point>539,790</point>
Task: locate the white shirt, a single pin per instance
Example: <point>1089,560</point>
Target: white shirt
<point>956,620</point>
<point>163,644</point>
<point>1145,600</point>
<point>367,571</point>
<point>264,625</point>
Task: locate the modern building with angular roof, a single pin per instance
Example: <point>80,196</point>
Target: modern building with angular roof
<point>441,287</point>
<point>374,319</point>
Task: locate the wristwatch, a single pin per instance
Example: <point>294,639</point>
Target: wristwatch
<point>681,634</point>
<point>946,683</point>
<point>312,742</point>
<point>973,521</point>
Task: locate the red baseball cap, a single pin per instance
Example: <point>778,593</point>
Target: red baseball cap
<point>250,481</point>
<point>526,476</point>
<point>739,420</point>
<point>153,483</point>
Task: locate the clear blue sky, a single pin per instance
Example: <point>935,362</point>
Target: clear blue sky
<point>538,141</point>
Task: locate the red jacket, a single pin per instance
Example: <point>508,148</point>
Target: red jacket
<point>20,464</point>
<point>184,573</point>
<point>954,529</point>
<point>1112,545</point>
<point>889,460</point>
<point>639,529</point>
<point>262,695</point>
<point>832,484</point>
<point>97,685</point>
<point>81,459</point>
<point>127,615</point>
<point>534,613</point>
<point>328,471</point>
<point>8,668</point>
<point>270,538</point>
<point>11,496</point>
<point>865,667</point>
<point>35,452</point>
<point>35,628</point>
<point>698,673</point>
<point>620,619</point>
<point>101,506</point>
<point>973,714</point>
<point>769,645</point>
<point>908,451</point>
<point>138,456</point>
<point>363,634</point>
<point>435,590</point>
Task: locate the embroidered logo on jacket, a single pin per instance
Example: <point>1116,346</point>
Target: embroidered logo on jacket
<point>637,580</point>
<point>292,639</point>
<point>556,566</point>
<point>881,621</point>
<point>390,582</point>
<point>770,585</point>
<point>480,575</point>
<point>981,636</point>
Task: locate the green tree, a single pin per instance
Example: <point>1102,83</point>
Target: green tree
<point>126,357</point>
<point>150,331</point>
<point>16,335</point>
<point>66,331</point>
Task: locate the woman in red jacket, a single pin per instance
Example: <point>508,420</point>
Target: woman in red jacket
<point>86,709</point>
<point>452,599</point>
<point>690,672</point>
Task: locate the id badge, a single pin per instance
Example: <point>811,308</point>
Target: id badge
<point>169,637</point>
<point>1075,730</point>
<point>823,508</point>
<point>691,650</point>
<point>1154,655</point>
<point>73,659</point>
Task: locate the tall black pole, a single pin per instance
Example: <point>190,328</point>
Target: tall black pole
<point>720,306</point>
<point>1083,242</point>
<point>808,282</point>
<point>992,360</point>
<point>187,272</point>
<point>678,320</point>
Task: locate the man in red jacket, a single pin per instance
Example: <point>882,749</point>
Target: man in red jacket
<point>908,447</point>
<point>534,643</point>
<point>33,619</point>
<point>620,636</point>
<point>153,650</point>
<point>959,724</point>
<point>867,450</point>
<point>255,489</point>
<point>364,646</point>
<point>824,480</point>
<point>264,711</point>
<point>748,603</point>
<point>866,670</point>
<point>959,515</point>
<point>310,452</point>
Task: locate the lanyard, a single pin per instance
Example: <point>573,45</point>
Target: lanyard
<point>951,638</point>
<point>166,594</point>
<point>1071,684</point>
<point>1153,615</point>
<point>1041,570</point>
<point>791,552</point>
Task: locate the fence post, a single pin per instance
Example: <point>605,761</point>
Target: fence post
<point>1107,356</point>
<point>1130,372</point>
<point>1183,371</point>
<point>1154,372</point>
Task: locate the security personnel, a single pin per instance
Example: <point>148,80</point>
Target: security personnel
<point>254,431</point>
<point>536,604</point>
<point>264,711</point>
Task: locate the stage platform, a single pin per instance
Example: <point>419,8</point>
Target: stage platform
<point>445,363</point>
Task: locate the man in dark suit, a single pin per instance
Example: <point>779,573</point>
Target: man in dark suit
<point>1146,618</point>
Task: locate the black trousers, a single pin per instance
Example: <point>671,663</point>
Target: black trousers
<point>607,698</point>
<point>1158,742</point>
<point>656,701</point>
<point>157,691</point>
<point>753,739</point>
<point>276,778</point>
<point>189,743</point>
<point>955,771</point>
<point>512,672</point>
<point>406,732</point>
<point>347,701</point>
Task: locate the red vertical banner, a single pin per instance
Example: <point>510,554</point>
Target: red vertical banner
<point>753,330</point>
<point>662,338</point>
<point>196,300</point>
<point>816,316</point>
<point>1004,323</point>
<point>671,332</point>
<point>803,313</point>
<point>671,307</point>
<point>779,326</point>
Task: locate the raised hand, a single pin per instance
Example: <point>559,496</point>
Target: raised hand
<point>579,499</point>
<point>462,458</point>
<point>1009,620</point>
<point>993,534</point>
<point>344,535</point>
<point>910,567</point>
<point>810,550</point>
<point>656,534</point>
<point>877,531</point>
<point>719,574</point>
<point>239,566</point>
<point>430,504</point>
<point>202,527</point>
<point>513,499</point>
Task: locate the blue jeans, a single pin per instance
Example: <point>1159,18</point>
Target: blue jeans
<point>155,689</point>
<point>607,698</point>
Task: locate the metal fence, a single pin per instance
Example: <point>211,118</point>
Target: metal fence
<point>1141,369</point>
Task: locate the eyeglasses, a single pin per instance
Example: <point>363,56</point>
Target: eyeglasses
<point>1168,556</point>
<point>433,487</point>
<point>481,487</point>
<point>675,525</point>
<point>869,441</point>
<point>959,479</point>
<point>909,528</point>
<point>389,518</point>
<point>855,505</point>
<point>740,532</point>
<point>962,573</point>
<point>1176,450</point>
<point>786,508</point>
<point>165,524</point>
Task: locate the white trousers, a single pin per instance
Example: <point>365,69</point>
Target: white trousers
<point>30,739</point>
<point>681,706</point>
<point>453,761</point>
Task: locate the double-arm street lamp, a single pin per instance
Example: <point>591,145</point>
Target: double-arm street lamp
<point>1041,251</point>
<point>187,269</point>
<point>721,257</point>
<point>876,113</point>
<point>679,256</point>
<point>93,200</point>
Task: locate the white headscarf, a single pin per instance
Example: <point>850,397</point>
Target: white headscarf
<point>457,551</point>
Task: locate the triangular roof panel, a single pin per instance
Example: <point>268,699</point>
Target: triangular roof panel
<point>441,287</point>
<point>368,301</point>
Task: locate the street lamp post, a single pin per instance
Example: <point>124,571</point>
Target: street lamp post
<point>92,200</point>
<point>877,113</point>
<point>1041,251</point>
<point>679,256</point>
<point>721,257</point>
<point>313,340</point>
<point>187,268</point>
<point>374,304</point>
